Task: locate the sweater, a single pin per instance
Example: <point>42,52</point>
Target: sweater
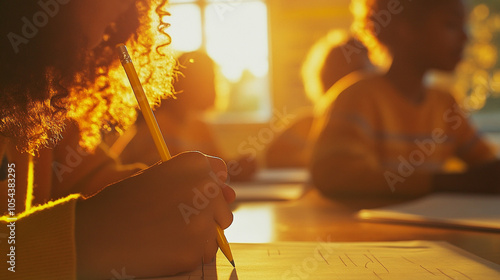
<point>375,141</point>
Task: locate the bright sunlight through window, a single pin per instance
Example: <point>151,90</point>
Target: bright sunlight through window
<point>186,27</point>
<point>234,33</point>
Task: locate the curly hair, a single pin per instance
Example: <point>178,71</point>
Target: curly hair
<point>50,77</point>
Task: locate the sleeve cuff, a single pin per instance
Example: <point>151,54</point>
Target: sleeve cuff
<point>45,243</point>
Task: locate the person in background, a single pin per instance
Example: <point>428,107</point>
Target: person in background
<point>181,119</point>
<point>390,133</point>
<point>331,59</point>
<point>59,68</point>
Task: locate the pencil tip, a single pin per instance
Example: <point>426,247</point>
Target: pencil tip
<point>232,262</point>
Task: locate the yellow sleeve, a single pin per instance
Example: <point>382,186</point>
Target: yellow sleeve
<point>44,245</point>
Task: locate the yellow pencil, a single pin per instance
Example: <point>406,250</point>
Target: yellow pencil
<point>143,102</point>
<point>154,129</point>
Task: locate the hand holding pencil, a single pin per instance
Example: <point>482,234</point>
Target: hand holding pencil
<point>136,224</point>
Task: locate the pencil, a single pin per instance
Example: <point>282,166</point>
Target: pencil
<point>224,245</point>
<point>154,129</point>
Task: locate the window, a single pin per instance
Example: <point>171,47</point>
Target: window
<point>234,33</point>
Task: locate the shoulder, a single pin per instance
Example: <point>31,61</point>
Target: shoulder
<point>363,91</point>
<point>366,86</point>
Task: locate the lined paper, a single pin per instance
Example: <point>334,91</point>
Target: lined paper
<point>365,260</point>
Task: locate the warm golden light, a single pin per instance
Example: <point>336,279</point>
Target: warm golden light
<point>480,12</point>
<point>237,39</point>
<point>310,71</point>
<point>111,97</point>
<point>185,27</point>
<point>251,224</point>
<point>379,56</point>
<point>486,55</point>
<point>235,36</point>
<point>495,83</point>
<point>476,77</point>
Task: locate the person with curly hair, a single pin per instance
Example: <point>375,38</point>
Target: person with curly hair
<point>391,133</point>
<point>59,69</point>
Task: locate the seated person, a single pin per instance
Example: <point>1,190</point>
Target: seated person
<point>60,74</point>
<point>328,61</point>
<point>392,134</point>
<point>180,119</point>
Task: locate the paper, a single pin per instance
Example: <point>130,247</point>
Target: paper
<point>273,184</point>
<point>457,210</point>
<point>371,260</point>
<point>282,175</point>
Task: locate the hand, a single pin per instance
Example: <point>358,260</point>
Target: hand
<point>159,222</point>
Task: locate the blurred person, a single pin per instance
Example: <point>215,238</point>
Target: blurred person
<point>59,69</point>
<point>391,133</point>
<point>331,59</point>
<point>181,119</point>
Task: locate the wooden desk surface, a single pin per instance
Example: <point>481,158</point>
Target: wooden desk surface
<point>316,218</point>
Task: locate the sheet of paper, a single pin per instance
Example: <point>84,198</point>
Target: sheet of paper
<point>459,210</point>
<point>273,184</point>
<point>282,175</point>
<point>371,260</point>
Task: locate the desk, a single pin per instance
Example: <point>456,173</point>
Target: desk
<point>314,217</point>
